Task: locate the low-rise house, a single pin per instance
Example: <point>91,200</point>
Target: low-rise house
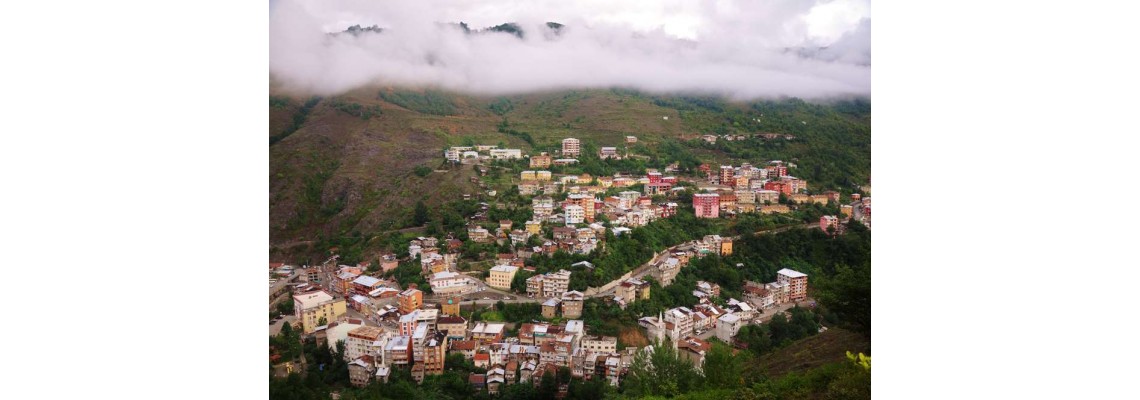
<point>450,283</point>
<point>550,308</point>
<point>465,347</point>
<point>488,332</point>
<point>727,327</point>
<point>454,325</point>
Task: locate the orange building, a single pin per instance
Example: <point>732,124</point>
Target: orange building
<point>410,300</point>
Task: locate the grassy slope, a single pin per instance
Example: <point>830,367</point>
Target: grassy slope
<point>825,348</point>
<point>370,187</point>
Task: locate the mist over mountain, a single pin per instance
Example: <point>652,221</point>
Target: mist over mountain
<point>738,50</point>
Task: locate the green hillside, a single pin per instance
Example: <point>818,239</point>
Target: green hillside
<point>344,168</point>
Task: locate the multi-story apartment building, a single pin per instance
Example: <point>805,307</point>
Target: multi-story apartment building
<point>828,222</point>
<point>435,353</point>
<point>360,371</point>
<point>501,276</point>
<point>727,201</point>
<point>541,161</point>
<point>796,281</point>
<point>574,214</point>
<point>534,285</point>
<point>571,147</point>
<point>398,351</point>
<point>776,171</point>
<point>586,201</point>
<point>556,283</point>
<point>360,342</point>
<point>409,300</point>
<point>600,344</point>
<point>678,322</point>
<point>726,175</point>
<point>527,176</point>
<point>796,185</point>
<point>311,307</point>
<point>706,205</point>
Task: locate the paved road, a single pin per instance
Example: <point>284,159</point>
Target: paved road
<point>276,327</point>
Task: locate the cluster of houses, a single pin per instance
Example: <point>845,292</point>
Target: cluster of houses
<point>748,189</point>
<point>424,336</point>
<point>711,139</point>
<point>480,153</point>
<point>680,324</point>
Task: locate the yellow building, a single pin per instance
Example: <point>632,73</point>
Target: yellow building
<point>542,175</point>
<point>527,175</point>
<point>311,307</point>
<point>502,276</point>
<point>451,305</point>
<point>774,209</point>
<point>533,227</point>
<point>726,247</point>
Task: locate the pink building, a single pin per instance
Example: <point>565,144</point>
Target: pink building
<point>706,205</point>
<point>828,222</point>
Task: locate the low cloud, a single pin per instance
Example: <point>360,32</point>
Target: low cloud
<point>738,49</point>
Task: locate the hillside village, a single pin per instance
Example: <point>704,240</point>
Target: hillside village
<point>443,300</point>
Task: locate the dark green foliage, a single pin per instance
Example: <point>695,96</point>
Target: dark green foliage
<point>278,101</point>
<point>661,373</point>
<point>298,119</point>
<point>501,106</point>
<point>505,127</point>
<point>420,214</point>
<point>422,171</point>
<point>429,102</point>
<point>311,205</point>
<point>285,307</point>
<point>410,272</point>
<point>356,109</point>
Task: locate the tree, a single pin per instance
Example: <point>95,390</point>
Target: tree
<point>323,321</point>
<point>420,215</point>
<point>722,369</point>
<point>848,294</point>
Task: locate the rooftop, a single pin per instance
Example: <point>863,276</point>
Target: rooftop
<point>791,273</point>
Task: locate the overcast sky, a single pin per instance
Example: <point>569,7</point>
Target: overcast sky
<point>735,48</point>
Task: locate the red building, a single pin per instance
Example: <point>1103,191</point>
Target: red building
<point>776,171</point>
<point>706,205</point>
<point>779,186</point>
<point>654,177</point>
<point>667,210</point>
